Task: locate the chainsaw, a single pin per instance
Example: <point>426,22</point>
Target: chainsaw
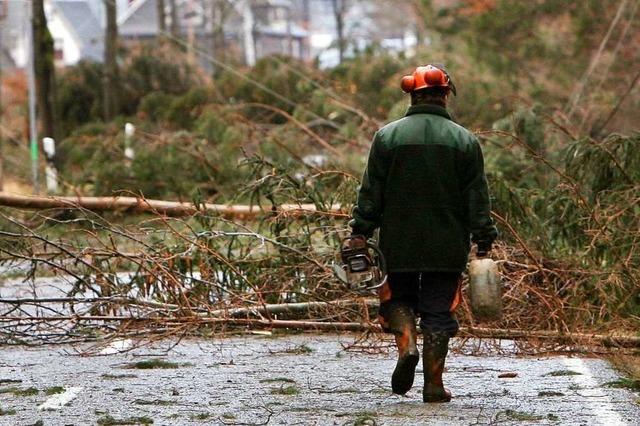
<point>360,264</point>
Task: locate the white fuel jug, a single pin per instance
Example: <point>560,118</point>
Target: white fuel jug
<point>485,290</point>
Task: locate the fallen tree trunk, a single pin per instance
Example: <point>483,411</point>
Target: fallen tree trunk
<point>613,340</point>
<point>493,333</point>
<point>169,208</point>
<point>284,308</point>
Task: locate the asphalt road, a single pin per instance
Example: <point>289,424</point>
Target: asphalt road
<point>297,380</point>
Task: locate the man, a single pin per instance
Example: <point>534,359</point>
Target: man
<point>426,190</point>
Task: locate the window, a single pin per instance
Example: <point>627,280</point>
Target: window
<point>58,49</point>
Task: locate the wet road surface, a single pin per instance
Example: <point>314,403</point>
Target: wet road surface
<point>297,380</point>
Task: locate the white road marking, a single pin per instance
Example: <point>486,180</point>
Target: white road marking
<point>603,409</point>
<point>59,400</point>
<point>116,346</point>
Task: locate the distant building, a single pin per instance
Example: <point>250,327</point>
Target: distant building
<point>13,29</point>
<point>76,31</point>
<point>251,29</point>
<point>276,32</point>
<point>387,24</point>
<point>256,28</point>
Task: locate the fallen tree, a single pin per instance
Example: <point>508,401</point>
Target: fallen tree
<point>179,323</point>
<point>168,208</point>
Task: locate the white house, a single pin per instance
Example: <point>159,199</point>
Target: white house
<point>76,31</point>
<point>13,29</point>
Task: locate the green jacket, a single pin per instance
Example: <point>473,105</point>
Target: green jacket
<point>426,190</point>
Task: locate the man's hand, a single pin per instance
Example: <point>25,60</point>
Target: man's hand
<point>355,241</point>
<point>483,249</point>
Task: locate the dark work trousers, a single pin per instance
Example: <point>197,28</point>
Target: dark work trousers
<point>433,296</point>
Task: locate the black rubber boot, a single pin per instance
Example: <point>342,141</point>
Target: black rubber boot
<point>402,323</point>
<point>434,352</point>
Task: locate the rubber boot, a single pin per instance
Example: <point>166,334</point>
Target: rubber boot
<point>436,347</point>
<point>402,323</point>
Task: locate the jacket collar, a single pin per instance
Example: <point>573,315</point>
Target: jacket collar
<point>429,109</point>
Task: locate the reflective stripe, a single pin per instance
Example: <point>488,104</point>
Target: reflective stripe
<point>457,298</point>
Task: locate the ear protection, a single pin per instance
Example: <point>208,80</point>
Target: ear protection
<point>427,76</point>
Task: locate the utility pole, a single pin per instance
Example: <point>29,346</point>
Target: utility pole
<point>44,70</point>
<point>162,25</point>
<point>289,35</point>
<point>33,128</point>
<point>191,37</point>
<point>339,11</point>
<point>175,25</point>
<point>248,36</point>
<point>110,62</point>
<point>3,16</point>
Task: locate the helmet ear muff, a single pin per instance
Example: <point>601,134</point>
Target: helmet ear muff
<point>451,85</point>
<point>408,83</point>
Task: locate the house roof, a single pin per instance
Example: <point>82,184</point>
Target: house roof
<point>12,29</point>
<point>141,19</point>
<point>84,25</point>
<point>281,31</point>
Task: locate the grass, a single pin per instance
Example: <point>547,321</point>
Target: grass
<point>54,390</point>
<point>111,421</point>
<point>9,412</point>
<point>278,379</point>
<point>150,364</point>
<point>625,383</point>
<point>558,373</point>
<point>203,416</point>
<point>10,389</point>
<point>629,365</point>
<point>520,416</point>
<point>550,393</point>
<point>299,350</point>
<point>285,390</point>
<point>160,402</point>
<point>20,391</point>
<point>364,418</point>
<point>4,381</point>
<point>118,376</point>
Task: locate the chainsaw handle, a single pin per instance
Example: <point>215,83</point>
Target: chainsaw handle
<point>383,264</point>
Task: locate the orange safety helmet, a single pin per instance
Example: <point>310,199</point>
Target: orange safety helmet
<point>427,76</point>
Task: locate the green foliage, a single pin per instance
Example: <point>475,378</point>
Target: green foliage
<point>625,383</point>
<point>153,364</point>
<point>171,168</point>
<point>112,421</point>
<point>153,106</point>
<point>148,70</point>
<point>286,390</point>
<point>373,81</point>
<point>79,99</point>
<point>572,199</point>
<point>280,81</point>
<point>20,391</point>
<point>184,109</point>
<point>161,167</point>
<point>153,69</point>
<point>8,412</point>
<point>54,390</point>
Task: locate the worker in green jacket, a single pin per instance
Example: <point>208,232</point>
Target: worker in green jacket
<point>425,188</point>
